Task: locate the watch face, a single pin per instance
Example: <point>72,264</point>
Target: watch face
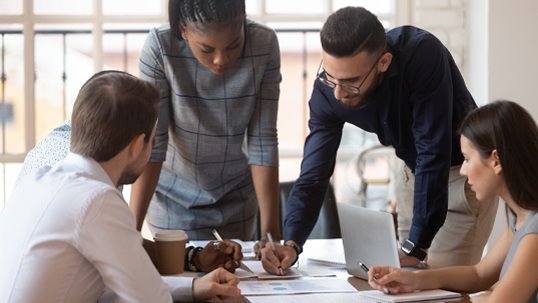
<point>408,246</point>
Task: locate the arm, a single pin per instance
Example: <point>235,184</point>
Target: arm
<point>521,275</point>
<point>263,140</point>
<point>142,191</point>
<point>319,159</point>
<point>266,185</point>
<point>467,279</point>
<point>431,101</point>
<point>124,266</point>
<point>152,66</point>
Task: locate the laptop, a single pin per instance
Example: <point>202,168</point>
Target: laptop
<point>369,237</point>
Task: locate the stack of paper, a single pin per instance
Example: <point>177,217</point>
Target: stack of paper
<point>424,295</point>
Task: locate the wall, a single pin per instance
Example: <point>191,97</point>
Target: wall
<point>512,59</point>
<point>446,20</point>
<point>510,56</point>
<point>493,43</point>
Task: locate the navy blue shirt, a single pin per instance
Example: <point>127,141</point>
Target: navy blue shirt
<point>417,108</point>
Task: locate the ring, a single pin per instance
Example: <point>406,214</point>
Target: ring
<point>216,245</point>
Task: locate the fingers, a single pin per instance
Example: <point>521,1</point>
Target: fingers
<point>218,283</point>
<point>288,256</point>
<point>279,260</point>
<point>270,262</point>
<point>258,246</point>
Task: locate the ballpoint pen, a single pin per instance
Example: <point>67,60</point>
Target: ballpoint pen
<point>242,265</point>
<point>273,248</point>
<point>366,269</point>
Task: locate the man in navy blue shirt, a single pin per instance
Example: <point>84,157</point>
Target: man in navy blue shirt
<point>404,86</point>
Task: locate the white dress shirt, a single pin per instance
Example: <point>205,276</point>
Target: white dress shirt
<point>67,233</point>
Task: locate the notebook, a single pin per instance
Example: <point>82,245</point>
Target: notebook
<point>417,296</point>
<point>369,237</point>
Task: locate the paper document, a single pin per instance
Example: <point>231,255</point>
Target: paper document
<point>347,297</point>
<point>302,286</point>
<point>424,295</point>
<point>260,273</point>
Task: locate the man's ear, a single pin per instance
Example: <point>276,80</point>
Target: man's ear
<point>384,62</point>
<point>136,145</point>
<point>184,33</point>
<point>496,162</point>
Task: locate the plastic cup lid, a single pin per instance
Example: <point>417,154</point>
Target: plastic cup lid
<point>170,235</point>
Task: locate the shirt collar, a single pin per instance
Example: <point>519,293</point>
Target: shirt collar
<point>88,166</point>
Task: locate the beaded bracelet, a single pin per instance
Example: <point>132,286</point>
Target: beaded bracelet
<point>190,257</point>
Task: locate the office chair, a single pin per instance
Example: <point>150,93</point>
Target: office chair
<point>381,156</point>
<point>328,225</point>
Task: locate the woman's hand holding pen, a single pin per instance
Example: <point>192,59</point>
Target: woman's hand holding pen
<point>392,279</point>
<point>279,261</point>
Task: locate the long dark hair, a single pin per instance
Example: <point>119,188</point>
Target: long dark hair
<point>200,13</point>
<point>507,127</point>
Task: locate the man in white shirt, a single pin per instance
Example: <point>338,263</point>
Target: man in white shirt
<point>67,233</point>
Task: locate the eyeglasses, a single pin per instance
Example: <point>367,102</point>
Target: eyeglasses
<point>355,90</point>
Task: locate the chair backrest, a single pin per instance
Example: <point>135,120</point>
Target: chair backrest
<point>327,226</point>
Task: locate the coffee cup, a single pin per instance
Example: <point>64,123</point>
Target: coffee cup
<point>170,251</point>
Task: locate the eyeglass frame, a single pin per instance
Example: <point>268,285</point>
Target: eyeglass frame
<point>355,90</point>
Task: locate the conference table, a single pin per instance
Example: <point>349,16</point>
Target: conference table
<point>311,260</point>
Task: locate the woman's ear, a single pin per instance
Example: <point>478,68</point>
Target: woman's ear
<point>496,162</point>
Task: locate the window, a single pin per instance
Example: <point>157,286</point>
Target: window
<point>49,48</point>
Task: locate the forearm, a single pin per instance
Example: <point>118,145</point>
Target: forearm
<point>142,191</point>
<point>265,181</point>
<point>457,278</point>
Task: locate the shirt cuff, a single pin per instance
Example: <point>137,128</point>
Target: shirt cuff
<point>180,288</point>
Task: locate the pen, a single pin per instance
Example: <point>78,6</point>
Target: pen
<point>366,269</point>
<point>273,248</point>
<point>242,265</point>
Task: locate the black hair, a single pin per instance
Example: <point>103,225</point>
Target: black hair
<point>200,13</point>
<point>350,30</point>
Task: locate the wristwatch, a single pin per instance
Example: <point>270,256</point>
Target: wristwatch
<point>410,249</point>
<point>295,246</point>
<point>298,249</point>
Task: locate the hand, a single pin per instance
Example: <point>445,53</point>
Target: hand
<point>392,279</point>
<point>258,246</point>
<point>408,261</point>
<point>226,254</point>
<point>218,283</point>
<point>279,261</point>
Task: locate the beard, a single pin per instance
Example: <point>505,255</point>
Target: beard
<point>129,176</point>
<point>362,98</point>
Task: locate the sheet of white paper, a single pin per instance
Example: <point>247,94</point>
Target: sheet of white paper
<point>260,273</point>
<point>309,298</point>
<point>424,295</point>
<point>301,286</point>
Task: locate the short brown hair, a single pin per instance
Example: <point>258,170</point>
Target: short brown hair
<point>111,109</point>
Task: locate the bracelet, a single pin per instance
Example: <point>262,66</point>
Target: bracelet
<point>190,257</point>
<point>296,247</point>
